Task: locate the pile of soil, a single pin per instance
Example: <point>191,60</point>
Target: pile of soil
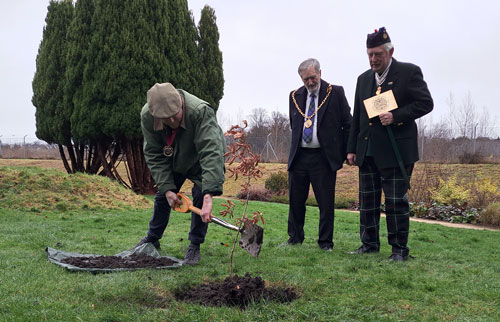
<point>235,291</point>
<point>132,261</point>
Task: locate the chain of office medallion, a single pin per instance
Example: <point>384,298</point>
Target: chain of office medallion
<point>328,91</point>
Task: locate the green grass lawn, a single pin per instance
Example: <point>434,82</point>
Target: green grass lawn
<point>454,275</point>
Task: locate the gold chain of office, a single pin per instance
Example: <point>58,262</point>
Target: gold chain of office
<point>308,121</point>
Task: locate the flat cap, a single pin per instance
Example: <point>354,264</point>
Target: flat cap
<point>379,37</point>
<point>164,100</point>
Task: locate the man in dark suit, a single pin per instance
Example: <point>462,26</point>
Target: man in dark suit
<point>320,119</point>
<point>382,164</point>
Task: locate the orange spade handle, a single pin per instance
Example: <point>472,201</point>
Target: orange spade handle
<point>187,204</point>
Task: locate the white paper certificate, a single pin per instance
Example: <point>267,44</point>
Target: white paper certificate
<point>379,104</point>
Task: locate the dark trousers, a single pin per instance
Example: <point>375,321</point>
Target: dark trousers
<point>311,167</point>
<point>161,216</point>
<point>372,181</point>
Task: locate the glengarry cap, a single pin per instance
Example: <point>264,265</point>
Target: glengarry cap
<point>379,37</point>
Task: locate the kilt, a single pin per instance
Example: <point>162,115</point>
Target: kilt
<point>372,181</point>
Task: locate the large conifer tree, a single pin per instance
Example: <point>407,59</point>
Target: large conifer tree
<point>79,36</point>
<point>210,57</point>
<point>48,82</point>
<point>125,60</point>
<point>181,48</point>
<point>115,50</point>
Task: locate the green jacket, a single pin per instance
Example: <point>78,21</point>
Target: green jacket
<point>199,148</point>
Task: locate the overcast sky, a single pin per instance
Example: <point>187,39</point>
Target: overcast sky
<point>456,43</point>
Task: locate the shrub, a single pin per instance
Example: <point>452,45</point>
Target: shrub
<point>345,203</point>
<point>419,209</point>
<point>311,201</point>
<point>277,183</point>
<point>491,215</point>
<point>451,213</point>
<point>470,158</point>
<point>340,202</point>
<point>483,192</point>
<point>449,192</point>
<point>279,199</point>
<point>424,181</point>
<point>255,193</point>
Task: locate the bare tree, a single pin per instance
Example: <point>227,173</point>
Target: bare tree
<point>259,121</point>
<point>486,124</point>
<point>259,128</point>
<point>447,121</point>
<point>465,117</point>
<point>422,126</point>
<point>280,134</point>
<point>440,130</point>
<point>280,124</point>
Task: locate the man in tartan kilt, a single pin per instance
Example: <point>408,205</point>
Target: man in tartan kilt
<point>385,147</point>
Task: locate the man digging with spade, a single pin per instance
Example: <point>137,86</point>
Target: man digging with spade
<point>182,140</point>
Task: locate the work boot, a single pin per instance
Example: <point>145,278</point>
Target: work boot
<point>148,239</point>
<point>192,256</point>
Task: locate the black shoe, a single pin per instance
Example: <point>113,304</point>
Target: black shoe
<point>364,250</point>
<point>148,239</point>
<point>192,256</point>
<point>398,258</point>
<point>288,244</point>
<point>292,241</point>
<point>327,248</point>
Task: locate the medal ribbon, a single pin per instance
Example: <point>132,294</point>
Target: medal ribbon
<point>170,137</point>
<point>381,79</point>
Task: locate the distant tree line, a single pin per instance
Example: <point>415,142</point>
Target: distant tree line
<point>95,63</point>
<point>466,134</point>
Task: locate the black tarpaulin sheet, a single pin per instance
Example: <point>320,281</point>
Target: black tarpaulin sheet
<point>56,257</point>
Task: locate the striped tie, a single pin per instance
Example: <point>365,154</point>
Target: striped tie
<point>308,131</point>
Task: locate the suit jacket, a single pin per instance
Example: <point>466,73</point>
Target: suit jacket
<point>413,99</point>
<point>333,122</point>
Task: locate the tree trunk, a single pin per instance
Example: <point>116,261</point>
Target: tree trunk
<point>105,155</point>
<point>137,170</point>
<point>80,157</point>
<point>94,163</point>
<point>71,153</point>
<point>102,152</point>
<point>63,158</point>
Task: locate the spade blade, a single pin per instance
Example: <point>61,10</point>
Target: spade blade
<point>251,239</point>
